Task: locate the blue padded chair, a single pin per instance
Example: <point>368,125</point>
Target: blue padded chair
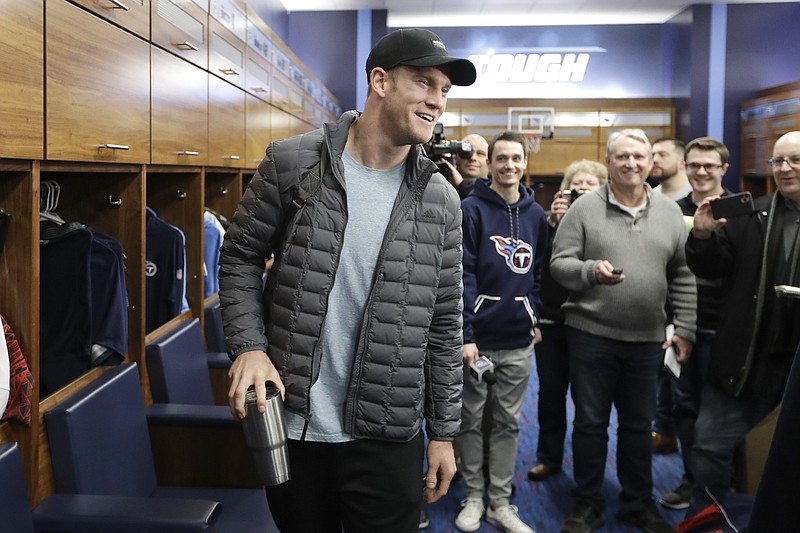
<point>100,445</point>
<point>14,505</point>
<point>75,513</point>
<point>212,327</point>
<point>178,366</point>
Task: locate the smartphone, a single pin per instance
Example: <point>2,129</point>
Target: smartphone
<point>735,205</point>
<point>617,271</point>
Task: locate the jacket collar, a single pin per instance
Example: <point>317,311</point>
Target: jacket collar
<point>336,132</point>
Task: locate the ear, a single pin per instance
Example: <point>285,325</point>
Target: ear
<point>378,80</point>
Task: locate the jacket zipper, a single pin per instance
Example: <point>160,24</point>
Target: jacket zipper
<point>414,196</point>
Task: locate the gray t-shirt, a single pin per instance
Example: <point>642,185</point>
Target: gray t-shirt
<point>370,197</point>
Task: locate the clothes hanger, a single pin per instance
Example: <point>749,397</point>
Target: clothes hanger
<point>48,202</point>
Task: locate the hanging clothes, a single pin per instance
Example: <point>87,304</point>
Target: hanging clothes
<point>84,304</point>
<point>165,291</point>
<point>213,235</point>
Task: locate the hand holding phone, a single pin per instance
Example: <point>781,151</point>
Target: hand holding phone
<point>734,205</point>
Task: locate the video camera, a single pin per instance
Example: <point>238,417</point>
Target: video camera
<point>438,149</point>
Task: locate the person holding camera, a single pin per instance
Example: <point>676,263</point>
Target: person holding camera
<point>472,168</point>
<point>505,241</point>
<point>614,323</point>
<point>759,328</point>
<point>552,356</point>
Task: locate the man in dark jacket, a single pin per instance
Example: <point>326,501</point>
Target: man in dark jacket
<point>758,329</point>
<point>360,321</point>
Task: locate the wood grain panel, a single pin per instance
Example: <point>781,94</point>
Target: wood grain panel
<point>258,127</point>
<point>181,28</point>
<point>226,124</point>
<point>223,191</point>
<point>98,89</point>
<point>133,15</point>
<point>21,85</point>
<point>179,111</point>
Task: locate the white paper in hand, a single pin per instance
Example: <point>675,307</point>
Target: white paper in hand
<point>670,356</point>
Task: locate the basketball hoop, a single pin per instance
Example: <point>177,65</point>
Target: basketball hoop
<point>533,122</point>
<point>535,141</point>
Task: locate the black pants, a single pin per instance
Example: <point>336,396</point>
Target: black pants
<point>358,486</point>
<point>552,366</point>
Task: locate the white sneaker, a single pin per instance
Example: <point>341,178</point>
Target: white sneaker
<point>469,519</point>
<point>506,518</point>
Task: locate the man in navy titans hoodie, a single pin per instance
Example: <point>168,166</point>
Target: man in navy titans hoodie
<point>505,239</point>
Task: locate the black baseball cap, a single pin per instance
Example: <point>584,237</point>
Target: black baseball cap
<point>416,47</point>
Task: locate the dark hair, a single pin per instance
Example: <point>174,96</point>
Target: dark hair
<point>679,145</point>
<point>708,144</point>
<point>511,136</point>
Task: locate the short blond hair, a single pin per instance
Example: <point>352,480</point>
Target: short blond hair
<point>594,168</point>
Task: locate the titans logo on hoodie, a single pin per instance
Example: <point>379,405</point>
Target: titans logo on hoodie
<point>518,254</point>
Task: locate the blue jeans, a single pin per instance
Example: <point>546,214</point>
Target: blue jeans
<point>721,426</point>
<point>606,372</point>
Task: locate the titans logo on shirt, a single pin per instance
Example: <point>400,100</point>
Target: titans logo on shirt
<point>517,254</point>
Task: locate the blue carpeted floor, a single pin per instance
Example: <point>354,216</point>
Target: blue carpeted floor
<point>543,505</point>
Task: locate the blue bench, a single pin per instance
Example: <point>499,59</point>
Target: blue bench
<point>100,446</point>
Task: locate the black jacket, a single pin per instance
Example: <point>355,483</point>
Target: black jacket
<point>408,358</point>
<point>742,347</point>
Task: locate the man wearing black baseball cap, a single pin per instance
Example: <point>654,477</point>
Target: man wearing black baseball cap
<point>416,47</point>
<point>360,323</point>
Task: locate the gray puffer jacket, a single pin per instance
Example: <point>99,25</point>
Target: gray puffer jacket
<point>408,359</point>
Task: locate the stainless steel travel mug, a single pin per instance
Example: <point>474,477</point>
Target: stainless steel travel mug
<point>265,434</point>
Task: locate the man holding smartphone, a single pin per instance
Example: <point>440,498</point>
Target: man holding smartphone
<point>758,331</point>
<point>706,162</point>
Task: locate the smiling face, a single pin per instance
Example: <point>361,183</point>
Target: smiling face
<point>787,176</point>
<point>414,99</point>
<point>629,162</point>
<point>705,170</point>
<point>507,164</point>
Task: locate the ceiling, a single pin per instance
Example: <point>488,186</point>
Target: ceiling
<point>448,13</point>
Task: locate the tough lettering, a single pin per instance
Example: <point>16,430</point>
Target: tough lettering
<point>527,68</point>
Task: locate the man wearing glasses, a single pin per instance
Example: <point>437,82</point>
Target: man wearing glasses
<point>758,329</point>
<point>706,162</point>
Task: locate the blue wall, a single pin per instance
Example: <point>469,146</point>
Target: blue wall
<point>317,38</point>
<point>667,60</point>
<point>677,59</point>
<point>274,14</point>
<point>763,51</point>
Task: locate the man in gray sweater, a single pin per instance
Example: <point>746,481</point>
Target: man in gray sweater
<point>615,326</point>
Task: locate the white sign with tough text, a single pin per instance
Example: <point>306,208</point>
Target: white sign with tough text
<point>529,73</point>
<point>527,68</point>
